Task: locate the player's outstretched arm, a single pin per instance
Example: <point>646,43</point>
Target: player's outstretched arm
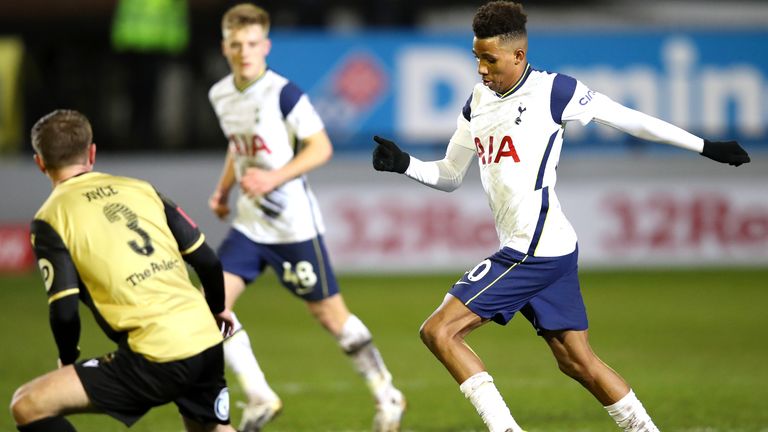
<point>446,174</point>
<point>729,152</point>
<point>650,128</point>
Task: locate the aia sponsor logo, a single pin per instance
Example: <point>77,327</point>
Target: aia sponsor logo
<point>488,153</point>
<point>248,145</point>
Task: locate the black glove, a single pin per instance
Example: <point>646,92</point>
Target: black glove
<point>729,152</point>
<point>387,156</point>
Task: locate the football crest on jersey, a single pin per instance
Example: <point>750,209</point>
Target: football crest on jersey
<point>521,109</point>
<point>46,269</point>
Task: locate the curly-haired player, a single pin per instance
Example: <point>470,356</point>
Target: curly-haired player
<point>514,122</point>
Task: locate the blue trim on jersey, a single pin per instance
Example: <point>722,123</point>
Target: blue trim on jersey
<point>519,83</point>
<point>540,224</point>
<point>289,97</point>
<point>563,88</point>
<point>322,265</point>
<point>542,167</point>
<point>467,110</point>
<point>250,84</point>
<point>305,183</point>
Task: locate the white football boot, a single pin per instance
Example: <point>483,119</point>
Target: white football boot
<point>256,415</point>
<point>389,412</point>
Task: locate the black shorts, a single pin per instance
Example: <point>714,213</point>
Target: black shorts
<point>126,385</point>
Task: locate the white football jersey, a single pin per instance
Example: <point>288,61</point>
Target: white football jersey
<point>518,137</point>
<point>265,124</point>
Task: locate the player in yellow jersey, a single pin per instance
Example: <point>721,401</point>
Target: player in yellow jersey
<point>119,246</point>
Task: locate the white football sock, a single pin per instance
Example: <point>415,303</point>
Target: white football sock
<point>239,356</point>
<point>630,415</point>
<point>355,340</point>
<point>484,395</point>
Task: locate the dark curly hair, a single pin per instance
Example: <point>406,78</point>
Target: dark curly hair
<point>500,18</point>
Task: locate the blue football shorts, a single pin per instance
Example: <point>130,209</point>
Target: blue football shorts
<point>304,268</point>
<point>545,289</point>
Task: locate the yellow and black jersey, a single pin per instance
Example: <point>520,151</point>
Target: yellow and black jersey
<point>118,245</point>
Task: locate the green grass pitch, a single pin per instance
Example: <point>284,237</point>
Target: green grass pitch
<point>692,344</point>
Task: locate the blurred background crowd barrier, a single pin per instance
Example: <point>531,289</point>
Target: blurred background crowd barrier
<point>141,70</point>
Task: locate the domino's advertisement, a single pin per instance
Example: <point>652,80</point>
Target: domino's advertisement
<point>411,85</point>
<point>627,209</point>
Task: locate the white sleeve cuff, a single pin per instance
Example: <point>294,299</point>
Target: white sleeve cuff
<point>446,174</point>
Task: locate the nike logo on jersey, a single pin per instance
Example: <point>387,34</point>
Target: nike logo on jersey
<point>461,281</point>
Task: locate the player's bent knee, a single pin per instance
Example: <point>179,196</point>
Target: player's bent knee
<point>24,407</point>
<point>435,334</point>
<point>17,403</point>
<point>426,334</point>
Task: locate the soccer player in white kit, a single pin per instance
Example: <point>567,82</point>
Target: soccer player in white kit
<point>514,122</point>
<point>275,138</point>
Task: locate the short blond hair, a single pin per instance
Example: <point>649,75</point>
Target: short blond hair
<point>244,14</point>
